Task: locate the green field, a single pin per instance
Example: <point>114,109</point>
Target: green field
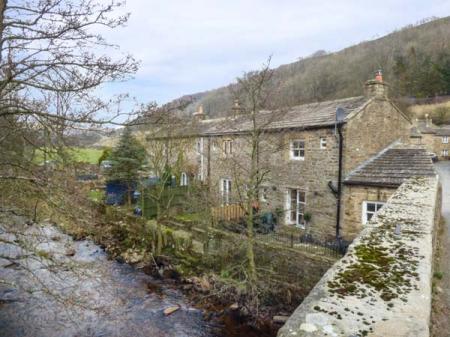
<point>85,155</point>
<point>77,154</point>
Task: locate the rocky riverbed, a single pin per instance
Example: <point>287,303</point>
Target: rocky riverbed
<point>53,286</point>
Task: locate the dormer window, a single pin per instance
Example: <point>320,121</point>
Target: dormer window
<point>297,150</point>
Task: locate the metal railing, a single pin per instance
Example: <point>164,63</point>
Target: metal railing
<point>305,242</point>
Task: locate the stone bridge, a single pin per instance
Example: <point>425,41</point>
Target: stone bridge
<point>382,286</point>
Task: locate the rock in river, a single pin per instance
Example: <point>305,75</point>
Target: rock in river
<point>170,310</point>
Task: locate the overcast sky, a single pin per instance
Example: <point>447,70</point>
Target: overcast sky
<point>186,46</point>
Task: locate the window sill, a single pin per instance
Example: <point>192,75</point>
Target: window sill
<point>297,159</point>
<point>294,224</point>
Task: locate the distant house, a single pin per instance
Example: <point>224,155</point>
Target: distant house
<point>318,158</point>
<point>434,138</point>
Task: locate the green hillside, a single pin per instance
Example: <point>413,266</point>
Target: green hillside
<point>415,61</point>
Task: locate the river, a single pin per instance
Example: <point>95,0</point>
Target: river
<point>53,286</point>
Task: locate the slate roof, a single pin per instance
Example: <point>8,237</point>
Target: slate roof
<point>312,115</point>
<point>392,166</point>
<point>415,133</point>
<point>433,129</point>
<point>424,128</point>
<point>443,131</point>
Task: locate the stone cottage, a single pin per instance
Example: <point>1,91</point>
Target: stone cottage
<point>434,138</point>
<point>311,157</point>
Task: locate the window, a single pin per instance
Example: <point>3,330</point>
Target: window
<point>297,150</point>
<point>225,191</point>
<point>200,159</point>
<point>323,143</point>
<point>296,202</point>
<point>370,208</point>
<point>264,194</point>
<point>445,140</point>
<point>184,179</point>
<point>444,153</point>
<point>228,147</point>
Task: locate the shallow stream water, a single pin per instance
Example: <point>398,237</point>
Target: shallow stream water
<point>57,287</point>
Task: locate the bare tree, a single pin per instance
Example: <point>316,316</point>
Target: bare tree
<point>254,95</point>
<point>52,59</point>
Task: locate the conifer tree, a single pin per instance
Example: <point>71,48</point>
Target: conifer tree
<point>126,159</point>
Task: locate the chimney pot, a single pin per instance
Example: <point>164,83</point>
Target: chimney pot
<point>377,87</point>
<point>427,120</point>
<point>379,76</point>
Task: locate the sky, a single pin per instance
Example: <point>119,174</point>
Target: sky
<point>187,46</point>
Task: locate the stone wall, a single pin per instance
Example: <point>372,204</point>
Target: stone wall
<point>353,199</point>
<point>382,286</point>
<point>378,125</point>
<point>281,173</point>
<point>429,140</point>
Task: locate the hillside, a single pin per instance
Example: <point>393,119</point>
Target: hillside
<point>415,61</point>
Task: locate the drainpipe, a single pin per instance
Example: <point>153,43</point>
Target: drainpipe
<point>339,184</point>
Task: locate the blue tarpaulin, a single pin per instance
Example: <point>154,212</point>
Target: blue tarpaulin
<point>116,192</point>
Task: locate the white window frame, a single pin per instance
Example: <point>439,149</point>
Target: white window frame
<point>444,153</point>
<point>444,139</point>
<point>364,216</point>
<point>225,190</point>
<point>297,145</point>
<point>264,194</point>
<point>323,143</point>
<point>201,169</point>
<point>300,207</point>
<point>184,181</point>
<point>227,147</point>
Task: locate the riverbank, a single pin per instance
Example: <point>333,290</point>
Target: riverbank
<point>127,240</point>
<point>75,283</point>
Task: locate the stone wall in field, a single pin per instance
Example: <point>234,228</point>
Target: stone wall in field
<point>382,286</point>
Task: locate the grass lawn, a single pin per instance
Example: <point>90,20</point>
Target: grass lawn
<point>86,155</point>
<point>188,217</point>
<point>96,195</point>
<point>78,154</point>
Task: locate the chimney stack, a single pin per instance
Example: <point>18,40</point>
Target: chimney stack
<point>237,110</point>
<point>199,114</point>
<point>377,87</point>
<point>428,121</point>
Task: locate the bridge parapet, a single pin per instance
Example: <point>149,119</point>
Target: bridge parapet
<point>382,286</point>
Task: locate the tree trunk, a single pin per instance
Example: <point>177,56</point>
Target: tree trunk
<point>159,238</point>
<point>251,197</point>
<point>129,194</point>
